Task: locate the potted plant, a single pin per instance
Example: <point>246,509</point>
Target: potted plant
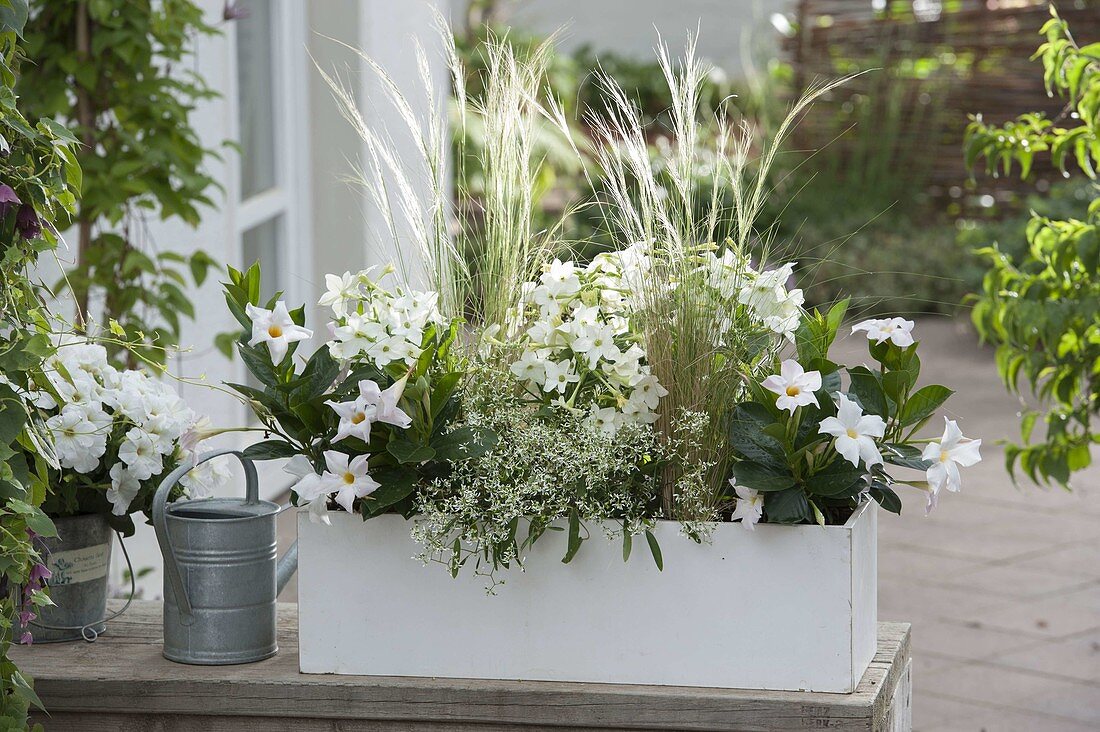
<point>670,390</point>
<point>114,434</point>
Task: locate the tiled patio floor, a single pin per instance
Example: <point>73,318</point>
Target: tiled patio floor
<point>1002,585</point>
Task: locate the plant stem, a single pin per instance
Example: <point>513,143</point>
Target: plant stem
<point>85,117</point>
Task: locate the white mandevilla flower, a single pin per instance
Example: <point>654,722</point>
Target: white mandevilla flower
<point>372,405</point>
<point>310,488</point>
<point>899,331</point>
<point>385,404</point>
<point>749,507</point>
<point>946,456</point>
<point>349,479</point>
<point>855,432</point>
<point>275,328</point>
<point>794,385</point>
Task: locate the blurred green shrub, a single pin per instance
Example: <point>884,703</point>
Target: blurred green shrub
<point>1040,305</point>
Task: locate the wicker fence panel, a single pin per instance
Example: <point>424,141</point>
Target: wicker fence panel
<point>940,62</point>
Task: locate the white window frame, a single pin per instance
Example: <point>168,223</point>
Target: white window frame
<point>290,195</point>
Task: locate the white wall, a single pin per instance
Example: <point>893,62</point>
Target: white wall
<point>342,232</point>
<point>730,31</point>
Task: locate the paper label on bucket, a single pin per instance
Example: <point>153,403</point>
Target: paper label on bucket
<point>79,565</point>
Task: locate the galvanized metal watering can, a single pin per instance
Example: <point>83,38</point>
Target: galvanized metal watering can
<point>221,575</point>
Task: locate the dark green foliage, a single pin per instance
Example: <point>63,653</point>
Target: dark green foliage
<point>784,455</point>
<point>291,404</point>
<point>39,179</point>
<point>120,70</point>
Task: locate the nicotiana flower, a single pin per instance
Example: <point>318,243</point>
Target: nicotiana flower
<point>766,295</point>
<point>560,278</point>
<point>341,289</point>
<point>749,507</point>
<point>794,385</point>
<point>897,330</point>
<point>531,366</point>
<point>947,455</point>
<point>855,432</point>
<point>559,375</point>
<point>349,479</point>
<point>275,328</point>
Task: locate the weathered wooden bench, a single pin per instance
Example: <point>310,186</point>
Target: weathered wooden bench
<point>121,683</point>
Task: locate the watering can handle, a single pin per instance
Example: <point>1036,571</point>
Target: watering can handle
<point>160,521</point>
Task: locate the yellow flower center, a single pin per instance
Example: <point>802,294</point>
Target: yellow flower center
<point>793,391</point>
<point>852,433</point>
<point>275,331</point>
<point>945,456</point>
<point>349,478</point>
<point>358,418</point>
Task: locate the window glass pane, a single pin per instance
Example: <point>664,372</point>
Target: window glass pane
<point>263,243</point>
<point>256,96</point>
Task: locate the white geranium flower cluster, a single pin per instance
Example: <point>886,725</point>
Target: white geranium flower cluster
<point>764,294</point>
<point>578,350</point>
<point>375,324</point>
<point>122,423</point>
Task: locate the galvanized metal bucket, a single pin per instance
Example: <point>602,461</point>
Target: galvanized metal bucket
<point>221,575</point>
<point>79,558</point>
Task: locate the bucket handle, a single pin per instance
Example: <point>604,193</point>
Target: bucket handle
<point>160,520</point>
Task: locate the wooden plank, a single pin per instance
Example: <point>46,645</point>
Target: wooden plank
<point>122,682</point>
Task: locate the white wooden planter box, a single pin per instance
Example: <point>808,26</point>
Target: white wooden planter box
<point>782,607</point>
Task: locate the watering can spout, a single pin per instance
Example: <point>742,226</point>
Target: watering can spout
<point>288,565</point>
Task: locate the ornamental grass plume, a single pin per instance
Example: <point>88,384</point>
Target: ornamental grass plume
<point>699,350</point>
<point>476,258</point>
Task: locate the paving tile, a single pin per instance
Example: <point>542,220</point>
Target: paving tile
<point>985,719</point>
<point>921,603</point>
<point>908,564</point>
<point>1012,690</point>
<point>931,712</point>
<point>1080,560</point>
<point>1072,701</point>
<point>1011,581</point>
<point>1087,595</point>
<point>1076,657</point>
<point>1052,617</point>
<point>967,642</point>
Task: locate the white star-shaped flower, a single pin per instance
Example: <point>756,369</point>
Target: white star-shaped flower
<point>794,385</point>
<point>897,330</point>
<point>275,328</point>
<point>855,432</point>
<point>947,455</point>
